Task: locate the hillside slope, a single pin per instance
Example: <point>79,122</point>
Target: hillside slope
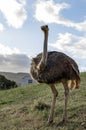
<point>17,77</point>
<point>27,108</point>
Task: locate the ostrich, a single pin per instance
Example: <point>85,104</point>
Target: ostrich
<point>55,67</point>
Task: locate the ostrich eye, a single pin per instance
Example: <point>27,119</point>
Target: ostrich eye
<point>46,26</point>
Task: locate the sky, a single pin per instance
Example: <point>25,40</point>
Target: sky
<point>21,37</point>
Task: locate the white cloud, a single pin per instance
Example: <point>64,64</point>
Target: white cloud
<point>6,50</point>
<point>81,26</point>
<point>48,11</point>
<point>12,60</point>
<point>14,12</point>
<point>14,63</point>
<point>1,27</point>
<point>83,69</point>
<point>72,44</point>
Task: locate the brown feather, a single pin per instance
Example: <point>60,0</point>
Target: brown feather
<point>59,66</point>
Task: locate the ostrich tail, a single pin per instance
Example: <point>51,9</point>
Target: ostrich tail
<point>74,84</point>
<point>77,72</point>
<point>77,84</point>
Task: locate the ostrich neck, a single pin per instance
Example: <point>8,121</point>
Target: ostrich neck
<point>44,54</point>
<point>43,61</point>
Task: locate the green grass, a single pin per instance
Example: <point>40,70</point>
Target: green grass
<point>27,108</point>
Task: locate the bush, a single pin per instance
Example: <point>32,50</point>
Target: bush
<point>42,106</point>
<point>6,84</point>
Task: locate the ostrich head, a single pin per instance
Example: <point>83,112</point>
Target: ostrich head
<point>44,28</point>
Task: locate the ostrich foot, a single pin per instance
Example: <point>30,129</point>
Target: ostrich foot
<point>62,123</point>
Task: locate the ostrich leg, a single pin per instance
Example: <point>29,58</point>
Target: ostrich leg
<point>66,94</point>
<point>55,94</point>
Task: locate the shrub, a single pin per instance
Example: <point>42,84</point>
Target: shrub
<point>6,84</point>
<point>42,106</point>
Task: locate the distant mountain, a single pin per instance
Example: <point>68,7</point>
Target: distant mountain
<point>22,79</point>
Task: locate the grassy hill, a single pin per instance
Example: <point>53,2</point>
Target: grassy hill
<point>17,77</point>
<point>27,108</point>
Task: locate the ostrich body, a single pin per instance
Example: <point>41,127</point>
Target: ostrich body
<point>55,67</point>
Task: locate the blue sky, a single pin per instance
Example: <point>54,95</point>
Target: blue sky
<point>21,37</point>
